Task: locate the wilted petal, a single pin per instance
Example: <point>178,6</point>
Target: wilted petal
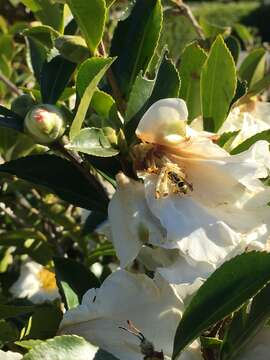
<point>152,306</point>
<point>132,224</point>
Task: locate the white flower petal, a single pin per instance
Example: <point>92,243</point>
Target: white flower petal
<point>29,285</point>
<point>132,224</point>
<point>259,347</point>
<point>190,227</point>
<point>9,355</point>
<point>164,122</point>
<point>151,305</point>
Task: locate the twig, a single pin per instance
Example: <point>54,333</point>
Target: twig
<point>185,11</point>
<point>10,85</point>
<point>113,83</point>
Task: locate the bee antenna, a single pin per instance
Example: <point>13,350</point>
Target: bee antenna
<point>132,330</point>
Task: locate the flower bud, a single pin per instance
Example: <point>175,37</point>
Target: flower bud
<point>22,104</point>
<point>110,134</point>
<point>44,123</point>
<point>72,48</point>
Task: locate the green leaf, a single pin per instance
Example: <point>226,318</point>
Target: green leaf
<point>253,67</point>
<point>104,355</point>
<point>244,34</point>
<point>44,322</point>
<point>134,42</point>
<point>218,85</point>
<point>66,347</point>
<point>246,324</point>
<point>102,103</point>
<point>44,34</point>
<point>245,145</point>
<point>90,74</point>
<point>234,46</point>
<point>48,12</point>
<point>10,120</point>
<point>226,139</point>
<point>212,30</point>
<point>92,141</point>
<point>140,93</point>
<point>167,85</point>
<point>191,64</point>
<point>28,344</point>
<point>90,16</point>
<point>109,3</point>
<point>217,297</point>
<point>257,88</point>
<point>8,333</point>
<point>72,48</point>
<point>13,311</point>
<point>73,279</point>
<point>61,177</point>
<point>36,56</point>
<point>54,77</point>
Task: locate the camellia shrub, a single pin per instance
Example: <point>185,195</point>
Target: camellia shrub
<point>134,209</point>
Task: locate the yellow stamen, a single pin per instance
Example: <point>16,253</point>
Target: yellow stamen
<point>47,280</point>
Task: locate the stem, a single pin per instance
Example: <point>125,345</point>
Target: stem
<point>10,85</point>
<point>185,11</point>
<point>113,83</point>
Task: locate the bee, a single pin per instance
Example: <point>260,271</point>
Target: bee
<point>171,179</point>
<point>147,348</point>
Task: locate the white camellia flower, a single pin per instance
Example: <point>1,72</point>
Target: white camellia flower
<point>245,120</point>
<point>195,197</point>
<point>152,306</point>
<point>248,120</point>
<point>9,355</point>
<point>258,348</point>
<point>35,283</point>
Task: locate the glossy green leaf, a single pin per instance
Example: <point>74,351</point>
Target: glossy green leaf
<point>257,88</point>
<point>140,93</point>
<point>218,85</point>
<point>92,141</point>
<point>8,333</point>
<point>66,347</point>
<point>253,67</point>
<point>12,311</point>
<point>61,177</point>
<point>102,103</point>
<point>104,355</point>
<point>245,145</point>
<point>48,12</point>
<point>43,34</point>
<point>166,85</point>
<point>218,297</point>
<point>243,33</point>
<point>36,56</point>
<point>245,325</point>
<point>234,46</point>
<point>10,120</point>
<point>67,274</point>
<point>225,140</point>
<point>134,42</point>
<point>211,30</point>
<point>44,322</point>
<point>72,48</point>
<point>54,78</point>
<point>90,16</point>
<point>191,64</point>
<point>90,74</point>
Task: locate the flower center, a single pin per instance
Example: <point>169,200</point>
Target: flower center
<point>172,178</point>
<point>47,280</point>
